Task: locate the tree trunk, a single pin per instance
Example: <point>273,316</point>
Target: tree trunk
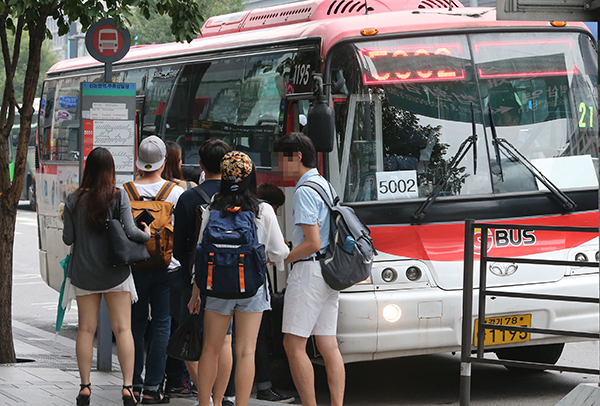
<point>7,238</point>
<point>10,192</point>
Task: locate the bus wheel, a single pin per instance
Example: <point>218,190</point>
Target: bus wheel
<point>31,194</point>
<point>543,354</point>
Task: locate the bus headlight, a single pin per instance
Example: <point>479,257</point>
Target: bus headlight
<point>413,273</point>
<point>581,257</point>
<point>597,256</point>
<point>392,313</point>
<point>389,275</point>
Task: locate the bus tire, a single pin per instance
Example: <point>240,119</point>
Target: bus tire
<point>543,354</point>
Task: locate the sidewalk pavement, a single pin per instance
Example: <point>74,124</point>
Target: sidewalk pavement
<point>50,376</point>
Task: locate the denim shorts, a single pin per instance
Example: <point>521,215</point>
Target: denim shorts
<point>258,303</point>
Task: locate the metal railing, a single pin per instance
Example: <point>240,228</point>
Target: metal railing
<point>466,358</point>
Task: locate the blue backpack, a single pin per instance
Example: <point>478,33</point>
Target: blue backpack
<point>230,262</point>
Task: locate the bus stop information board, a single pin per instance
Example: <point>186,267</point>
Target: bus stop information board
<point>108,120</point>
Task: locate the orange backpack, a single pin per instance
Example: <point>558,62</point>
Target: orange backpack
<point>160,245</point>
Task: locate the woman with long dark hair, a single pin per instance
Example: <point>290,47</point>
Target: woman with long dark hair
<point>238,193</point>
<point>173,171</point>
<point>91,274</point>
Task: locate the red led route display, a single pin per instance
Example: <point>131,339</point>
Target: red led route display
<point>413,63</point>
<point>444,62</point>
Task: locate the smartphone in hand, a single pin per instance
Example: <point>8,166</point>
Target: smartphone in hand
<point>144,217</point>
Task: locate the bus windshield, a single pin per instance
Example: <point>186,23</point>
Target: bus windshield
<point>409,104</point>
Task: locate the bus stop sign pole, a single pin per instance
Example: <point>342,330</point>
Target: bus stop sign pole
<point>107,43</point>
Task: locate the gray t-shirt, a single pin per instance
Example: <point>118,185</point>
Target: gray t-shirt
<point>90,266</point>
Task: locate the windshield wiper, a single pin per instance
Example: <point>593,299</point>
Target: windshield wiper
<point>471,141</point>
<point>513,153</point>
<point>495,144</point>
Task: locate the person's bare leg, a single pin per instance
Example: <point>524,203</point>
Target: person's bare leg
<point>215,330</point>
<point>247,325</point>
<point>119,310</point>
<point>334,365</point>
<point>87,311</point>
<point>223,372</point>
<point>301,368</point>
<point>192,367</point>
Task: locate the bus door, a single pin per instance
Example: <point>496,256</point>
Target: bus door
<point>362,158</point>
<point>139,108</point>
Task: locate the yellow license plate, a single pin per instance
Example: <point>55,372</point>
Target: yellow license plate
<point>494,337</point>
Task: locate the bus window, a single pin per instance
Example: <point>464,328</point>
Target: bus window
<point>238,100</point>
<point>45,123</point>
<point>10,156</point>
<point>139,77</point>
<point>158,90</point>
<point>59,119</point>
<point>61,137</point>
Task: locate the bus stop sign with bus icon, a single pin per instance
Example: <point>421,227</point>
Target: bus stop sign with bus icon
<point>107,43</point>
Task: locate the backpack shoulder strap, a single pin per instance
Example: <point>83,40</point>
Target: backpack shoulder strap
<point>320,190</point>
<point>202,194</point>
<point>132,191</point>
<point>165,191</point>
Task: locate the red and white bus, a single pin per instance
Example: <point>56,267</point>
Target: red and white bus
<point>430,98</point>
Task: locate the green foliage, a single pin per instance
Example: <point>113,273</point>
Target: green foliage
<point>154,28</point>
<point>47,59</point>
<point>185,15</point>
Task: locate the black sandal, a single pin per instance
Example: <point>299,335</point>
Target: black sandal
<point>155,399</point>
<point>84,400</point>
<point>137,394</point>
<point>129,400</point>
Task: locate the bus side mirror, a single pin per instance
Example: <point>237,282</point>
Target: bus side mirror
<point>320,126</point>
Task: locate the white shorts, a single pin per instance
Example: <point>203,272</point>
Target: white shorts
<point>71,291</point>
<point>310,306</point>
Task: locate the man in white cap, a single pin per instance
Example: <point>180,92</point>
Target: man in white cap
<point>152,286</point>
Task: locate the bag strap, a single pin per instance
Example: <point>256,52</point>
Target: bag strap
<point>202,194</point>
<point>165,190</point>
<point>321,191</point>
<point>117,210</point>
<point>132,191</point>
<point>197,227</point>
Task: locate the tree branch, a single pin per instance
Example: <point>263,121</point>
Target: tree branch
<point>16,52</point>
<point>7,65</point>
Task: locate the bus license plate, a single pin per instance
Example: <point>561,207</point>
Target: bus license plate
<point>494,337</point>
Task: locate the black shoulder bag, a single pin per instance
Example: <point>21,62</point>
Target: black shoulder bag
<point>124,250</point>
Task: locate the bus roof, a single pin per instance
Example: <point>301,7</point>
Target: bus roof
<point>234,31</point>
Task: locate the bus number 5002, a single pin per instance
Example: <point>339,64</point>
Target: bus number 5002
<point>396,186</point>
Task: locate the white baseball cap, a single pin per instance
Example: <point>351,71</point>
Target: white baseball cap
<point>151,154</point>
